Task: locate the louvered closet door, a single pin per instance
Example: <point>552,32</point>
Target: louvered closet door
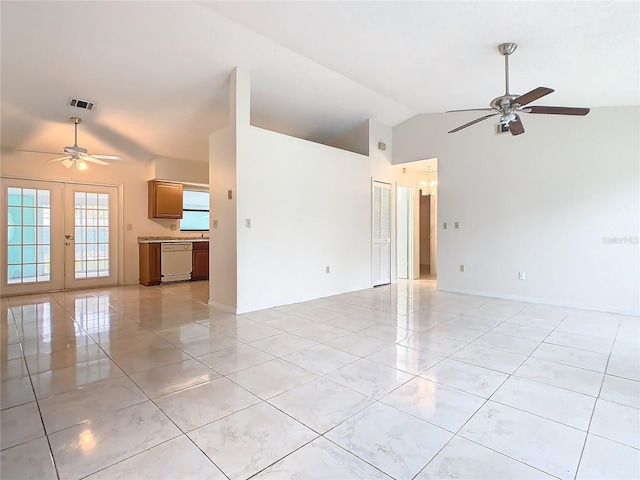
<point>381,233</point>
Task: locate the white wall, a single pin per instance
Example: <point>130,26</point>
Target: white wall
<point>309,207</point>
<point>355,140</point>
<point>184,171</point>
<point>540,203</point>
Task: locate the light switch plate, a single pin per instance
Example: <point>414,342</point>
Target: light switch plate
<point>215,224</point>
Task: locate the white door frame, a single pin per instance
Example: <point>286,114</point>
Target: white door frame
<point>117,241</point>
<point>383,241</point>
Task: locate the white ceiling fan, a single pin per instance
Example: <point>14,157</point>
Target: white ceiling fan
<point>79,156</point>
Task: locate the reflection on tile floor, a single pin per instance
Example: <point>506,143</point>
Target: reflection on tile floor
<point>399,381</point>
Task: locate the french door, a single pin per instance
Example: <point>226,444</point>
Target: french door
<point>57,236</point>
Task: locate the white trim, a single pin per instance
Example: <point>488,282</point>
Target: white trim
<point>224,308</point>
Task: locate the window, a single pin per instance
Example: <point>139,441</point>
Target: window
<point>195,211</point>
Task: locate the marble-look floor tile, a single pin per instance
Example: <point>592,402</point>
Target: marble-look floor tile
<point>353,324</point>
<point>438,345</point>
<point>173,377</point>
<point>369,378</point>
<point>461,458</point>
<point>84,449</point>
<point>206,402</point>
<point>10,352</point>
<point>625,360</point>
<point>387,332</point>
<point>134,362</point>
<point>115,344</point>
<point>523,331</point>
<point>563,376</point>
<point>443,406</point>
<point>213,342</point>
<point>235,359</point>
<point>282,344</point>
<point>581,342</point>
<point>246,442</point>
<point>19,425</point>
<point>526,437</point>
<point>379,433</point>
<point>572,356</point>
<point>320,359</point>
<point>16,392</point>
<point>320,332</point>
<point>357,344</point>
<point>405,359</point>
<point>85,403</point>
<point>498,360</point>
<point>603,459</point>
<point>334,404</point>
<point>321,460</point>
<point>616,422</point>
<point>457,332</point>
<point>563,406</point>
<point>159,463</point>
<point>43,346</point>
<point>466,377</point>
<point>251,333</point>
<point>621,390</point>
<point>177,335</point>
<point>12,369</point>
<point>64,358</point>
<point>62,380</point>
<point>271,378</point>
<point>28,460</point>
<point>508,343</point>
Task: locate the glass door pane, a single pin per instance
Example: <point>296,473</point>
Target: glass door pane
<point>30,208</point>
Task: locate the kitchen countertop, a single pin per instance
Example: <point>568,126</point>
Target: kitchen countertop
<point>171,239</point>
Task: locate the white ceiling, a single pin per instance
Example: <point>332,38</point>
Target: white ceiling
<point>158,71</point>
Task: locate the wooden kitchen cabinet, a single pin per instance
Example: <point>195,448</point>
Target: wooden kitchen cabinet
<point>150,270</point>
<point>165,199</point>
<point>200,257</point>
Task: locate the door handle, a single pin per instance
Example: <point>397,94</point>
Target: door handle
<point>69,237</point>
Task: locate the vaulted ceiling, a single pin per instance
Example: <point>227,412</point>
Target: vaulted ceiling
<point>158,71</point>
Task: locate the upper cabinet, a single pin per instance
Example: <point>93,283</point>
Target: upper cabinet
<point>165,199</point>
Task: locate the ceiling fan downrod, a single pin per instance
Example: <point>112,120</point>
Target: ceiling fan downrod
<point>507,49</point>
<point>76,121</point>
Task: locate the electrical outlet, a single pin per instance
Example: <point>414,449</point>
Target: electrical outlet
<point>462,268</point>
<point>173,227</point>
<point>521,276</point>
<point>215,224</point>
<point>129,226</point>
<point>456,225</point>
<point>247,223</point>
<point>444,226</point>
<point>229,194</point>
<point>327,269</point>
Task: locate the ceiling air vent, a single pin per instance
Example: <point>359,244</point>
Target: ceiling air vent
<point>84,104</point>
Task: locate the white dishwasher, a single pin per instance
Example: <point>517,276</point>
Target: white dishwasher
<point>175,261</point>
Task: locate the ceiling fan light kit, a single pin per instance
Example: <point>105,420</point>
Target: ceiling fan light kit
<point>509,105</point>
<point>78,156</point>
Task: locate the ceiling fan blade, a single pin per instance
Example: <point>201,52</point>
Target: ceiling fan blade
<point>557,110</point>
<point>107,157</point>
<point>473,122</point>
<point>516,127</point>
<point>534,94</point>
<point>67,157</point>
<point>67,163</point>
<point>472,110</point>
<point>89,158</point>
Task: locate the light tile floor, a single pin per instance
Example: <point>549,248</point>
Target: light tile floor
<point>398,382</point>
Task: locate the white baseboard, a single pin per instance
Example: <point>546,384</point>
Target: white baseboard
<point>224,308</point>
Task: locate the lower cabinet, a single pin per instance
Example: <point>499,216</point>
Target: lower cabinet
<point>150,272</point>
<point>200,261</point>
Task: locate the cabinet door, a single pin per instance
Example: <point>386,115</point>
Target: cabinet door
<point>150,272</point>
<point>165,200</point>
<point>200,261</point>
